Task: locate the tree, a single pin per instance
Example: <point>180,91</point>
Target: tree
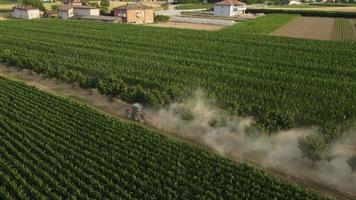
<point>105,3</point>
<point>35,3</point>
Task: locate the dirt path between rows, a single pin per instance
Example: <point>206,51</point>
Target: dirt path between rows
<point>320,28</point>
<point>117,108</point>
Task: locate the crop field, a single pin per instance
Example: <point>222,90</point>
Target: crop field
<point>320,28</point>
<point>345,30</point>
<point>56,149</point>
<point>283,82</point>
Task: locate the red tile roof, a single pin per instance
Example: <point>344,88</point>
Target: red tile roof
<point>132,6</point>
<point>84,7</point>
<point>65,7</point>
<point>230,3</point>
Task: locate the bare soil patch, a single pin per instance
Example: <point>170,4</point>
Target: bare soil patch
<point>320,28</point>
<point>205,27</point>
<point>116,108</point>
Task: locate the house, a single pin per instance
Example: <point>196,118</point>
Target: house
<point>25,12</point>
<point>229,8</point>
<point>135,13</point>
<point>86,11</point>
<point>295,2</point>
<point>66,11</point>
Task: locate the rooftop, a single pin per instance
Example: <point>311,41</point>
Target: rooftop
<point>65,7</point>
<point>230,3</point>
<point>84,7</point>
<point>133,6</point>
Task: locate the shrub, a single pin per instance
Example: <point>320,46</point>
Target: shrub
<point>135,94</point>
<point>352,163</point>
<point>111,85</point>
<point>161,18</point>
<point>35,3</point>
<point>313,146</point>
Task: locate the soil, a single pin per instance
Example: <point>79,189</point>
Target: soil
<point>205,27</point>
<point>320,28</point>
<point>116,108</point>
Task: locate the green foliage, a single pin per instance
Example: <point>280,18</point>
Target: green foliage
<point>161,18</point>
<point>352,163</point>
<point>35,3</point>
<point>283,82</point>
<point>274,121</point>
<point>311,13</point>
<point>94,4</point>
<point>54,7</point>
<point>195,6</point>
<point>52,148</point>
<point>111,85</point>
<point>261,25</point>
<point>135,94</point>
<point>184,113</point>
<point>105,3</point>
<point>313,146</point>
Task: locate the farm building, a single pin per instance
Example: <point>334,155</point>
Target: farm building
<point>66,11</point>
<point>86,11</point>
<point>135,13</point>
<point>295,2</point>
<point>25,12</point>
<point>229,8</point>
<point>69,11</point>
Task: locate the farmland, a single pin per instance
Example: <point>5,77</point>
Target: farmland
<point>53,148</point>
<point>321,28</point>
<point>283,82</point>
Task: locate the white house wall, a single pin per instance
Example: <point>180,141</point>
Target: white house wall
<point>66,14</point>
<point>25,14</point>
<point>87,12</point>
<point>33,14</point>
<point>223,10</point>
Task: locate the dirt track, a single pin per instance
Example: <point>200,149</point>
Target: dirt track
<point>117,108</point>
<point>320,28</point>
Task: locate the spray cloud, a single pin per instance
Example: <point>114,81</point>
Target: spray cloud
<point>231,136</point>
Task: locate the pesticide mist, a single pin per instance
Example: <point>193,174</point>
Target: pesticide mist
<point>198,120</point>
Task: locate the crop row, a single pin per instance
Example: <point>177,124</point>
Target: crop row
<point>344,30</point>
<point>53,148</point>
<point>295,81</point>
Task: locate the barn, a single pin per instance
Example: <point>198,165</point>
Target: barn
<point>135,13</point>
<point>25,12</point>
<point>66,11</point>
<point>229,8</point>
<point>86,11</point>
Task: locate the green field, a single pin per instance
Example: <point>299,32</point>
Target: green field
<point>51,148</point>
<point>194,6</point>
<point>345,30</point>
<point>283,82</point>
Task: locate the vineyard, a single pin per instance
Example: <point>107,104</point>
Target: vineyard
<point>55,149</point>
<point>345,30</point>
<point>283,82</point>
